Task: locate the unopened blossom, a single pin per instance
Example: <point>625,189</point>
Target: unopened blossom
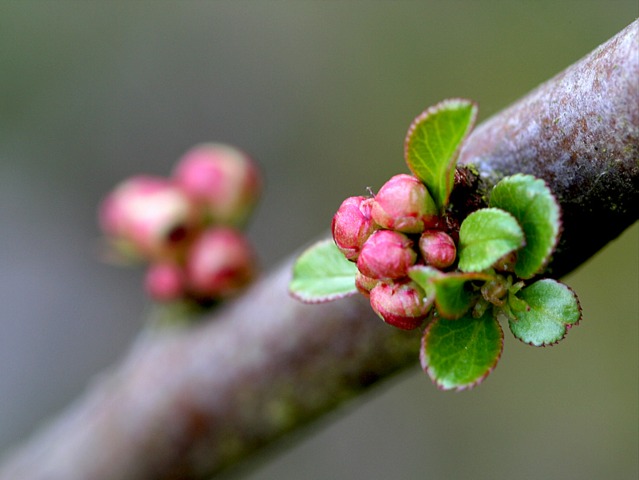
<point>148,216</point>
<point>386,255</point>
<point>404,204</point>
<point>352,225</point>
<point>365,284</point>
<point>219,263</point>
<point>222,180</point>
<point>164,281</point>
<point>437,249</point>
<point>401,304</point>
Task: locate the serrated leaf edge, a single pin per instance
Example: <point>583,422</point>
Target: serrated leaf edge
<point>568,326</point>
<point>426,367</point>
<point>315,300</point>
<point>551,249</point>
<point>433,109</point>
<point>521,245</point>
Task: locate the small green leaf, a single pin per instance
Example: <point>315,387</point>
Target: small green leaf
<point>452,298</point>
<point>322,273</point>
<point>433,142</point>
<point>516,304</point>
<point>459,354</point>
<point>485,236</point>
<point>535,207</point>
<point>423,275</point>
<point>552,309</point>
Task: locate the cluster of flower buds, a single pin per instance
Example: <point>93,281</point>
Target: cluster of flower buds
<point>187,227</point>
<point>387,234</point>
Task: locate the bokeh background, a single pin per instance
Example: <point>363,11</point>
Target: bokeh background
<point>321,93</point>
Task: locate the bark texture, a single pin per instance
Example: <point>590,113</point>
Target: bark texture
<point>187,404</point>
<point>578,131</point>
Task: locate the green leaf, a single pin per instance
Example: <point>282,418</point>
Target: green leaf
<point>423,275</point>
<point>452,298</point>
<point>459,354</point>
<point>552,309</point>
<point>535,207</point>
<point>485,236</point>
<point>322,273</point>
<point>433,143</point>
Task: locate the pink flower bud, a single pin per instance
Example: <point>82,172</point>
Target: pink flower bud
<point>365,284</point>
<point>164,282</point>
<point>437,248</point>
<point>219,263</point>
<point>404,204</point>
<point>352,225</point>
<point>386,255</point>
<point>401,304</point>
<point>148,215</point>
<point>223,180</point>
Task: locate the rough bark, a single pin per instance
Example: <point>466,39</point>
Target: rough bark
<point>580,132</point>
<point>186,404</point>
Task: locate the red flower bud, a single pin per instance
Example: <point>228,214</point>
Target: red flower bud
<point>164,282</point>
<point>401,304</point>
<point>404,204</point>
<point>222,180</point>
<point>147,215</point>
<point>365,284</point>
<point>386,255</point>
<point>437,248</point>
<point>352,225</point>
<point>219,263</point>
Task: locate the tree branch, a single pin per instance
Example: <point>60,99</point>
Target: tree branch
<point>186,404</point>
<point>579,132</point>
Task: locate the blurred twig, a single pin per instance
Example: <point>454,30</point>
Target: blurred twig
<point>186,404</point>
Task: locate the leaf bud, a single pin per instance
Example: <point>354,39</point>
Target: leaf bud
<point>506,263</point>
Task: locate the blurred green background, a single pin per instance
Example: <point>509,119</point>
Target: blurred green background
<point>321,93</point>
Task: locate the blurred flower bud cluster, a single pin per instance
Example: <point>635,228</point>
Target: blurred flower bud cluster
<point>188,227</point>
<point>387,234</point>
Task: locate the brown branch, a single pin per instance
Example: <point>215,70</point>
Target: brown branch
<point>186,404</point>
<point>580,132</point>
